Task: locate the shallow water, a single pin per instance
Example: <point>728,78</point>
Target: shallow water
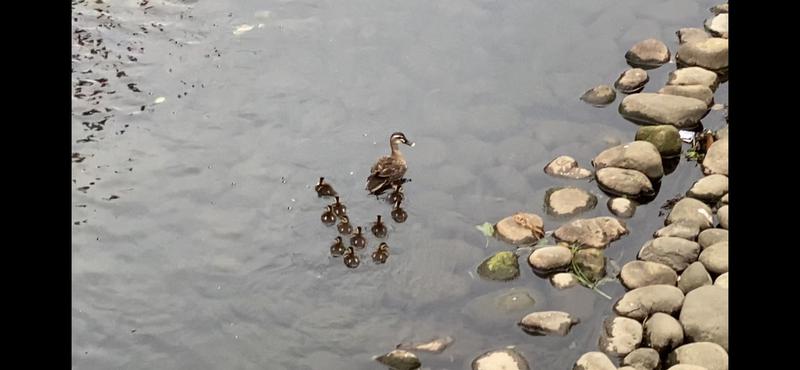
<point>212,255</point>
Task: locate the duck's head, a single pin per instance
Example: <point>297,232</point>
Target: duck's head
<point>400,138</point>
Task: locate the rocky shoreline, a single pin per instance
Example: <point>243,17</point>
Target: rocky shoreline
<point>674,314</point>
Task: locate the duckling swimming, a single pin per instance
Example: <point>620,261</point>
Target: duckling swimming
<point>323,189</point>
<point>389,170</point>
<point>379,229</point>
<point>358,241</point>
<point>339,208</point>
<point>328,218</point>
<point>351,259</point>
<point>399,215</point>
<point>344,226</point>
<point>381,254</point>
<point>338,248</point>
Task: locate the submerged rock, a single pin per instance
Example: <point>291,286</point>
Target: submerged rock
<point>568,201</point>
<point>649,53</point>
<point>636,274</point>
<point>400,360</point>
<point>437,345</point>
<point>567,167</point>
<point>711,54</point>
<point>625,183</point>
<point>501,266</point>
<point>623,207</point>
<point>691,35</point>
<point>593,232</point>
<point>704,315</point>
<point>677,253</point>
<point>563,280</point>
<point>632,81</point>
<point>665,138</point>
<point>548,323</point>
<point>662,332</point>
<point>591,262</point>
<point>638,155</point>
<point>700,92</point>
<point>693,76</point>
<point>521,228</point>
<point>645,301</point>
<point>504,359</point>
<point>620,336</point>
<point>599,96</point>
<point>661,109</point>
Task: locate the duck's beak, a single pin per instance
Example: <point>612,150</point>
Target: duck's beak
<point>410,143</point>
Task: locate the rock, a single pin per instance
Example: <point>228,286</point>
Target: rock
<point>693,76</point>
<point>690,211</point>
<point>710,188</point>
<point>504,359</point>
<point>694,277</point>
<point>567,167</point>
<point>594,361</point>
<point>691,35</point>
<point>437,345</point>
<point>548,259</point>
<point>547,323</point>
<point>563,280</point>
<point>722,281</point>
<point>699,92</point>
<point>721,133</point>
<point>399,360</point>
<point>704,315</point>
<point>711,54</point>
<point>637,274</point>
<point>624,182</point>
<point>708,355</point>
<point>665,138</point>
<point>711,236</point>
<point>593,232</point>
<point>591,262</point>
<point>642,302</point>
<point>622,207</point>
<point>517,229</point>
<point>643,359</point>
<point>716,159</point>
<point>715,258</point>
<point>722,213</point>
<point>632,81</point>
<point>724,199</point>
<point>649,53</point>
<point>678,230</point>
<point>568,201</point>
<point>662,332</point>
<point>717,25</point>
<point>620,336</point>
<point>640,155</point>
<point>599,96</point>
<point>661,109</point>
<point>687,367</point>
<point>501,266</point>
<point>719,9</point>
<point>677,253</point>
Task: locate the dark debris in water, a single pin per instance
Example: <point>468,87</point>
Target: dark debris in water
<point>667,206</point>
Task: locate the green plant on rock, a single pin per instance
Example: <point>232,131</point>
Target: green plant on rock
<point>584,278</point>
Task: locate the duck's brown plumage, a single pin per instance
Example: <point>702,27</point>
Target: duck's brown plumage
<point>388,170</point>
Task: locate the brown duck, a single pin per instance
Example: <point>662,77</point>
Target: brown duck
<point>389,170</point>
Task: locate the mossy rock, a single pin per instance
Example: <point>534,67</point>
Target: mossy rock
<point>501,266</point>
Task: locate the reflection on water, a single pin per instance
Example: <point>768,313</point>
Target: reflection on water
<point>212,254</point>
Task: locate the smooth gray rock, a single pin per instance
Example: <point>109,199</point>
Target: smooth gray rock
<point>566,167</point>
<point>568,201</point>
<point>503,359</point>
<point>709,237</point>
<point>638,155</point>
<point>704,315</point>
<point>678,230</point>
<point>643,359</point>
<point>700,92</point>
<point>691,211</point>
<point>624,182</point>
<point>708,355</point>
<point>665,138</point>
<point>399,360</point>
<point>662,332</point>
<point>709,188</point>
<point>722,281</point>
<point>645,301</point>
<point>622,207</point>
<point>711,54</point>
<point>632,81</point>
<point>694,277</point>
<point>593,232</point>
<point>715,258</point>
<point>594,361</point>
<point>649,53</point>
<point>722,214</point>
<point>691,35</point>
<point>563,280</point>
<point>717,25</point>
<point>660,109</point>
<point>693,76</point>
<point>599,96</point>
<point>677,253</point>
<point>551,258</point>
<point>636,274</point>
<point>620,336</point>
<point>548,323</point>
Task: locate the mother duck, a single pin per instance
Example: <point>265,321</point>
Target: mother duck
<point>389,170</point>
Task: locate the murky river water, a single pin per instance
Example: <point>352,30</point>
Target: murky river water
<point>197,242</point>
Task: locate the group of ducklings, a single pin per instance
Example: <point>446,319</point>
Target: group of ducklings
<point>338,210</point>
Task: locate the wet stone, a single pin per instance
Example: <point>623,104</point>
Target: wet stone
<point>548,323</point>
<point>693,76</point>
<point>677,253</point>
<point>642,302</point>
<point>599,96</point>
<point>504,359</point>
<point>437,345</point>
<point>636,274</point>
<point>691,35</point>
<point>563,280</point>
<point>638,155</point>
<point>694,277</point>
<point>520,228</point>
<point>593,232</point>
<point>624,182</point>
<point>622,207</point>
<point>567,167</point>
<point>708,355</point>
<point>400,360</point>
<point>665,138</point>
<point>547,259</point>
<point>501,266</point>
<point>717,25</point>
<point>568,201</point>
<point>632,81</point>
<point>710,188</point>
<point>620,336</point>
<point>678,230</point>
<point>691,211</point>
<point>594,361</point>
<point>716,159</point>
<point>591,262</point>
<point>710,237</point>
<point>662,332</point>
<point>660,109</point>
<point>711,54</point>
<point>704,315</point>
<point>715,258</point>
<point>700,92</point>
<point>649,53</point>
<point>719,9</point>
<point>642,359</point>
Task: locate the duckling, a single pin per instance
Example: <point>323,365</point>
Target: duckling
<point>344,226</point>
<point>381,253</point>
<point>337,248</point>
<point>399,215</point>
<point>339,208</point>
<point>388,170</point>
<point>379,229</point>
<point>328,218</point>
<point>323,189</point>
<point>358,240</point>
<point>397,195</point>
<point>351,259</point>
